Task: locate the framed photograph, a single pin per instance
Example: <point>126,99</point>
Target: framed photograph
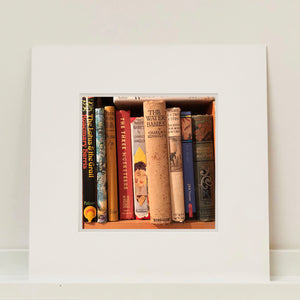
<point>116,181</point>
<point>226,81</point>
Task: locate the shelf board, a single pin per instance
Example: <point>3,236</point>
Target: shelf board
<point>145,224</point>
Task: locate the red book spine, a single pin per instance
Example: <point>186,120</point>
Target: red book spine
<point>124,165</point>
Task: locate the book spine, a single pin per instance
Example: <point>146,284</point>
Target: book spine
<point>140,190</point>
<point>157,161</point>
<point>204,166</point>
<point>89,201</point>
<point>188,167</point>
<point>101,166</point>
<point>175,164</point>
<point>124,165</point>
<point>111,163</point>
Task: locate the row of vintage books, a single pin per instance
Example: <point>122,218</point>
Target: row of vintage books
<point>158,165</point>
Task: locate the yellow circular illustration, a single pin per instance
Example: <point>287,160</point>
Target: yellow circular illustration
<point>89,213</point>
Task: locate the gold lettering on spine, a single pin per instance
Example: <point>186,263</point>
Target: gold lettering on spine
<point>91,150</point>
<point>124,164</point>
<point>84,144</point>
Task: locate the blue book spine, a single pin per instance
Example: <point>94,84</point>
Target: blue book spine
<point>101,166</point>
<point>188,166</point>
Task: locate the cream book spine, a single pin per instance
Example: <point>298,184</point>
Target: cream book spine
<point>175,164</point>
<point>139,169</point>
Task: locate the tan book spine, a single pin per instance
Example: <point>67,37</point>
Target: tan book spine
<point>155,123</point>
<point>111,163</point>
<point>175,164</point>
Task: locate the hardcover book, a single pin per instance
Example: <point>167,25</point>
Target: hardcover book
<point>156,140</point>
<point>88,160</point>
<point>111,163</point>
<point>188,167</point>
<point>204,166</point>
<point>139,166</point>
<point>175,164</point>
<point>101,166</point>
<point>124,165</point>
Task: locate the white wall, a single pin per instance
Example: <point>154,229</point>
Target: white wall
<point>72,22</point>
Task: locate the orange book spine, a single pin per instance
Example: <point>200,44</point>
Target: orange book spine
<point>111,163</point>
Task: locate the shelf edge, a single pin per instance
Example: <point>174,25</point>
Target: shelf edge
<point>284,265</point>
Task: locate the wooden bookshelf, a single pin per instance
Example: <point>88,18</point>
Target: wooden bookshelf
<point>145,224</point>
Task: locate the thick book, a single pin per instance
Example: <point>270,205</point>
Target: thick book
<point>156,140</point>
<point>124,165</point>
<point>101,166</point>
<point>188,165</point>
<point>204,166</point>
<point>89,201</point>
<point>139,167</point>
<point>111,163</point>
<point>175,164</point>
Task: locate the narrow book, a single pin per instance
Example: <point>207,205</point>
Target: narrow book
<point>89,201</point>
<point>124,165</point>
<point>175,164</point>
<point>204,166</point>
<point>156,140</point>
<point>101,166</point>
<point>111,163</point>
<point>188,167</point>
<point>139,166</point>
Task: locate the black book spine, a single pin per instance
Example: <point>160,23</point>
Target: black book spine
<point>89,188</point>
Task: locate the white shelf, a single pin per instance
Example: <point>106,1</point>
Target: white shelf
<point>275,290</point>
<point>284,283</point>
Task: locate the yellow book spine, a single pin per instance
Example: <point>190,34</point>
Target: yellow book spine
<point>111,163</point>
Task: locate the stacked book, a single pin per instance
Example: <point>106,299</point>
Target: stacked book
<point>156,165</point>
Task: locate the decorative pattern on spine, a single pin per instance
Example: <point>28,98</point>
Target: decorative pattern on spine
<point>88,161</point>
<point>175,164</point>
<point>101,166</point>
<point>188,167</point>
<point>111,163</point>
<point>141,206</point>
<point>157,161</point>
<point>124,165</point>
<point>204,166</point>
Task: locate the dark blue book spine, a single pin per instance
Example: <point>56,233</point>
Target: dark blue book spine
<point>188,166</point>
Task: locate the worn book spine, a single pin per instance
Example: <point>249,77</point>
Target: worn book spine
<point>124,165</point>
<point>139,166</point>
<point>188,166</point>
<point>89,201</point>
<point>204,166</point>
<point>101,166</point>
<point>175,164</point>
<point>156,140</point>
<point>111,163</point>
